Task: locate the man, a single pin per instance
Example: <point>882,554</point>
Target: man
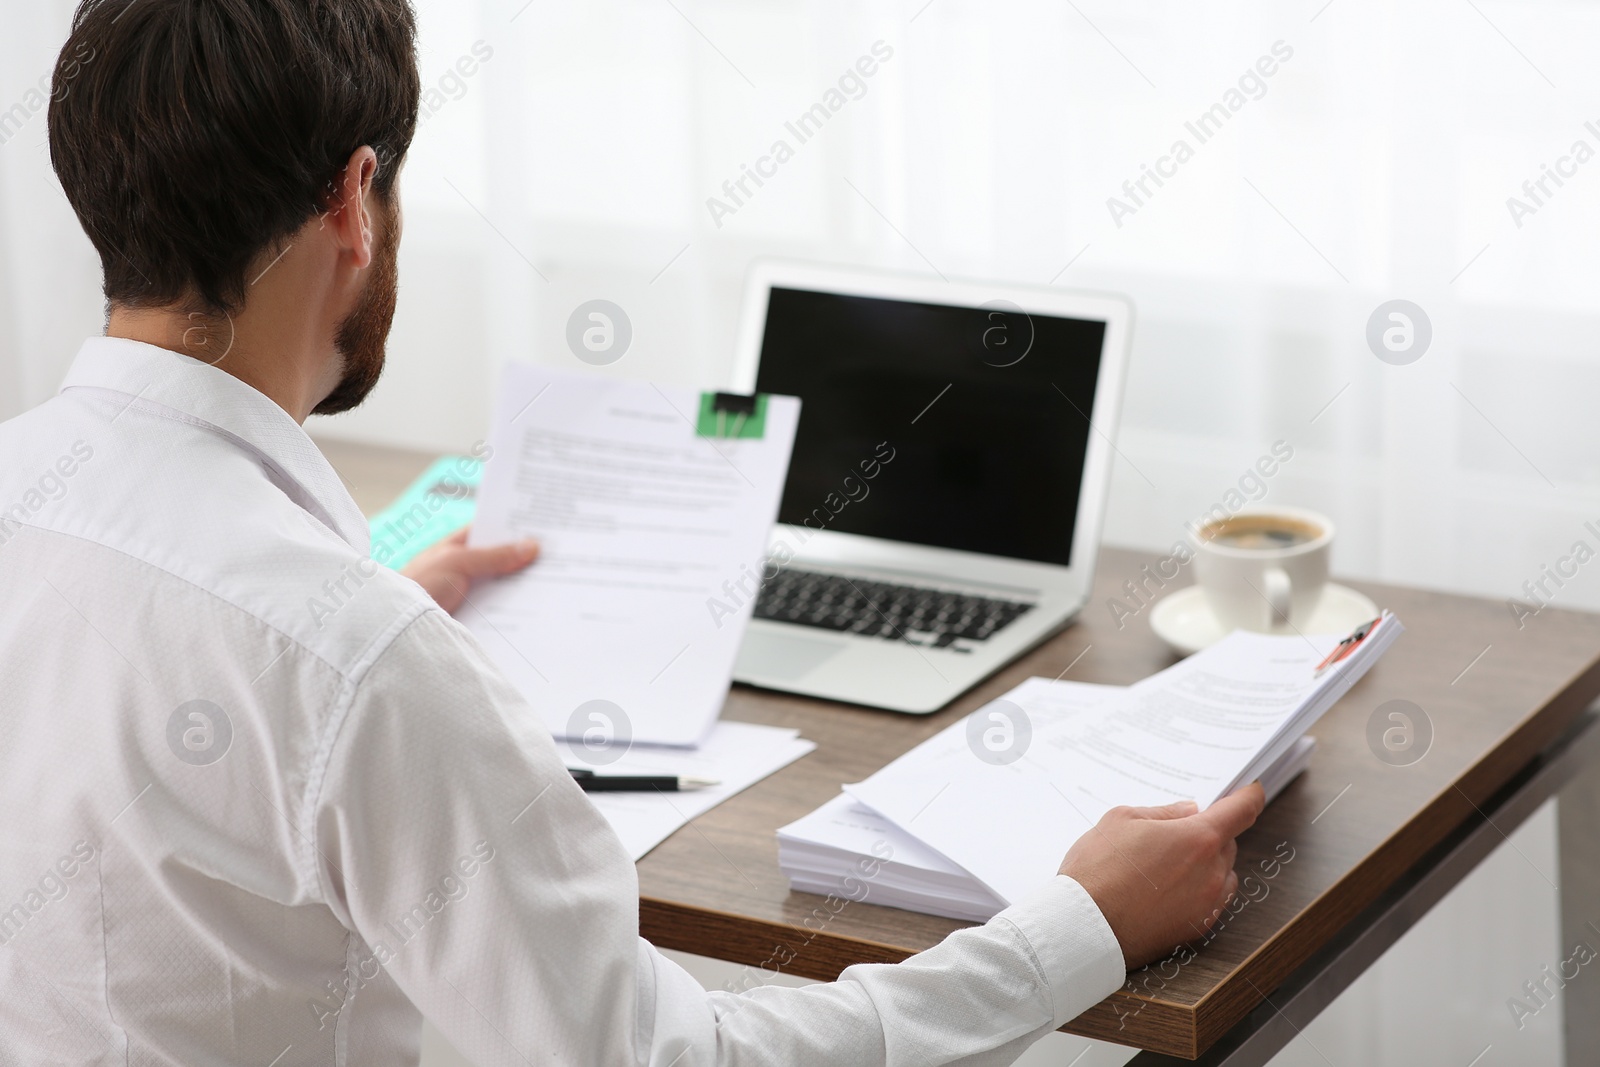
<point>244,831</point>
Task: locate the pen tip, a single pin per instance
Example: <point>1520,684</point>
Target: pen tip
<point>688,782</point>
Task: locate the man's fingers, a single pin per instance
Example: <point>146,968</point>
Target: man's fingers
<point>1179,809</point>
<point>1219,908</point>
<point>1230,886</point>
<point>498,559</point>
<point>1235,813</point>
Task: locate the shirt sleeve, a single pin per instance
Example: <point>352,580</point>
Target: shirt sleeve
<point>450,839</point>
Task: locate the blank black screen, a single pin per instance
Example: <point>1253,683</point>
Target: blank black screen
<point>994,465</point>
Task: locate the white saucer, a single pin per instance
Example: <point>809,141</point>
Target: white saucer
<point>1184,620</point>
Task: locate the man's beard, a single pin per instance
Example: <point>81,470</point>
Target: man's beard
<point>363,333</point>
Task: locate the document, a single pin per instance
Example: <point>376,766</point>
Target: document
<point>652,543</point>
<point>1204,727</point>
<point>972,812</point>
<point>848,850</point>
<point>737,755</point>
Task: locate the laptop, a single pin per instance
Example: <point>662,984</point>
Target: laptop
<point>948,482</point>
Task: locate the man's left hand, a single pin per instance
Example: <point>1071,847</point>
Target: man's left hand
<point>446,570</point>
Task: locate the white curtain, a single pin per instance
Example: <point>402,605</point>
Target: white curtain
<point>1339,155</point>
<point>569,152</point>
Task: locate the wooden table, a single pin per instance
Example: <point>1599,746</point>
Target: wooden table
<point>1496,697</point>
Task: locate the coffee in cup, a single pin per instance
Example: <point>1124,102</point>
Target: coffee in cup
<point>1264,569</point>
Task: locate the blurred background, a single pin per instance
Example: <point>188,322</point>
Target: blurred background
<point>571,152</point>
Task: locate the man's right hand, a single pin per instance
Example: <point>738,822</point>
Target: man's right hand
<point>1162,875</point>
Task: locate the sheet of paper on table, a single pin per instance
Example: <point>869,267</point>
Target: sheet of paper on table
<point>652,543</point>
<point>736,754</point>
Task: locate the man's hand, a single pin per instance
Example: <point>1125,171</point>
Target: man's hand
<point>1162,875</point>
<point>447,569</point>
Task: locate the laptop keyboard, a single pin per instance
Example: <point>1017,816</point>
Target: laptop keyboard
<point>926,617</point>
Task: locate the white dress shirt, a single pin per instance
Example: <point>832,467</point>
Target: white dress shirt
<point>267,805</point>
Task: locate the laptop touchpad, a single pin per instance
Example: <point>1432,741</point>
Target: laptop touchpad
<point>770,655</point>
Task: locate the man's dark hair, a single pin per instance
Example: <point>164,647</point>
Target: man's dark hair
<point>192,135</point>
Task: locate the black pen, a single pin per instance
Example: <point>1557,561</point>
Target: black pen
<point>591,782</point>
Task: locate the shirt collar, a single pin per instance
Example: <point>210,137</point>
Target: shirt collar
<point>199,392</point>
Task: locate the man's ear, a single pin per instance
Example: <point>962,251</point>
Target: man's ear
<point>347,212</point>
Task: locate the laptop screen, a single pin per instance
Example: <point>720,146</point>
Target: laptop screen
<point>956,427</point>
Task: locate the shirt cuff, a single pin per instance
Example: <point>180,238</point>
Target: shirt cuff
<point>1072,944</point>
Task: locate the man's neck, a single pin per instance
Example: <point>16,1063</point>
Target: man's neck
<point>282,356</point>
<point>281,342</point>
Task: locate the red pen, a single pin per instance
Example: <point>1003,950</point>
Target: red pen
<point>1348,645</point>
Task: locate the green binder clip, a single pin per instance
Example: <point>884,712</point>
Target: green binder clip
<point>732,415</point>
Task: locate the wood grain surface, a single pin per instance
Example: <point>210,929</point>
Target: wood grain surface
<point>1495,695</point>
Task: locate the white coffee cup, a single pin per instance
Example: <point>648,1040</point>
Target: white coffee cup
<point>1264,569</point>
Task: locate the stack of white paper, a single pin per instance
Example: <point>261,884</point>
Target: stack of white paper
<point>846,849</point>
<point>851,851</point>
<point>1229,715</point>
